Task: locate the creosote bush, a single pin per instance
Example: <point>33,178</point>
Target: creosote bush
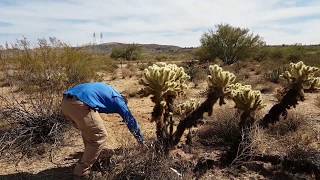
<point>50,65</point>
<point>228,43</point>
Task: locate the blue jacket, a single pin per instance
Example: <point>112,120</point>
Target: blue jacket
<point>105,99</point>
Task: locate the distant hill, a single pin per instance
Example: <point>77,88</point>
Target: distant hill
<point>106,48</point>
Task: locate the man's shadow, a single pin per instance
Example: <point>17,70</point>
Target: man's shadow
<point>59,173</point>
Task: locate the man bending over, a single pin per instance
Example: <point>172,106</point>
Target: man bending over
<point>82,105</point>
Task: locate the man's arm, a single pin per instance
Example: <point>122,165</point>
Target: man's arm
<point>128,118</point>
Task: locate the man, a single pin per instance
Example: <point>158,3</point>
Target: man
<point>82,105</point>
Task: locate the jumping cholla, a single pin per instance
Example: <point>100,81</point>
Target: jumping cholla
<point>187,107</point>
<point>163,79</point>
<point>245,98</point>
<point>315,83</point>
<point>299,77</point>
<point>164,82</point>
<point>219,80</point>
<point>301,74</point>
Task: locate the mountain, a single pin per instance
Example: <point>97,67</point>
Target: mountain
<point>106,48</point>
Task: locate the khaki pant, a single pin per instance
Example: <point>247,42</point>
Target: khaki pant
<point>92,130</point>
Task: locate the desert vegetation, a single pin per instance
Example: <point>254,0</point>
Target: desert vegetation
<point>207,113</point>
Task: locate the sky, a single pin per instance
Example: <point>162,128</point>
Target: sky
<point>174,22</point>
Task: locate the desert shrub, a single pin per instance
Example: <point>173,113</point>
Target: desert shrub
<point>195,71</point>
<point>161,57</point>
<point>276,54</point>
<point>202,54</point>
<point>296,53</point>
<point>129,71</point>
<point>142,66</point>
<point>51,65</point>
<point>130,52</point>
<point>290,124</point>
<point>229,43</point>
<point>34,124</point>
<point>274,75</point>
<point>262,54</point>
<point>223,129</point>
<point>137,163</point>
<point>126,73</point>
<point>312,59</point>
<point>106,64</point>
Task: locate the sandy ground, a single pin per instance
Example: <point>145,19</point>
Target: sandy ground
<point>120,136</point>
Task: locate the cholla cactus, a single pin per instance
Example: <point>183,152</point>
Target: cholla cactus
<point>187,107</point>
<point>300,74</point>
<point>163,79</point>
<point>164,82</point>
<point>245,98</point>
<point>299,77</point>
<point>218,78</point>
<point>314,83</point>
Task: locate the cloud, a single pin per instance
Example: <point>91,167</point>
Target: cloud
<point>180,22</point>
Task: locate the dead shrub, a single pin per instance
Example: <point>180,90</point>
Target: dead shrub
<point>142,163</point>
<point>290,124</point>
<point>142,66</point>
<point>247,147</point>
<point>132,91</point>
<point>197,73</point>
<point>223,129</point>
<point>34,124</point>
<point>126,73</point>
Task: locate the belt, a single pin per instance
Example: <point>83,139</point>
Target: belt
<point>68,96</point>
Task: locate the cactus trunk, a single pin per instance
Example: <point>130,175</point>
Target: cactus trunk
<point>165,130</point>
<point>196,115</point>
<point>246,120</point>
<point>290,99</point>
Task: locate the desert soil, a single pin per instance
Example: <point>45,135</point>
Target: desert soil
<point>118,134</point>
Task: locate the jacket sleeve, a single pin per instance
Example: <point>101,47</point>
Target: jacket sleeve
<point>128,118</point>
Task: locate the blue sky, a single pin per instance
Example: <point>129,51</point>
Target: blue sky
<point>176,22</point>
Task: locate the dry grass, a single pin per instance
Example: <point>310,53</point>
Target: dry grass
<point>291,124</point>
<point>145,163</point>
<point>288,135</point>
<point>34,123</point>
<point>223,129</point>
<point>51,65</point>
